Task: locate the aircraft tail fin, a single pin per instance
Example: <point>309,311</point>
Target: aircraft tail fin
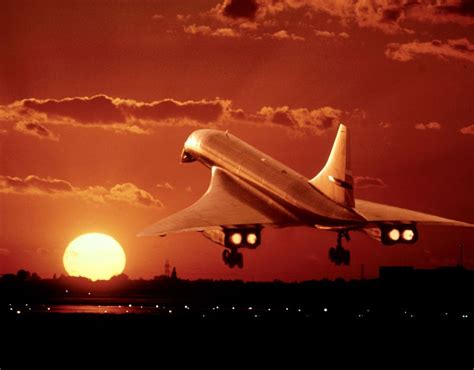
<point>335,179</point>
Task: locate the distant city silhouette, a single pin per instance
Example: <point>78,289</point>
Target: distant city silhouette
<point>397,287</point>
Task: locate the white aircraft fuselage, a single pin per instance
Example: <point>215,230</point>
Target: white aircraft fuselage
<point>270,177</point>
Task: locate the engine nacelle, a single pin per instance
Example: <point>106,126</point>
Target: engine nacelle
<point>394,234</point>
<point>235,238</point>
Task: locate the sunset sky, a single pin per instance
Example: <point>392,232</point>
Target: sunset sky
<point>98,97</point>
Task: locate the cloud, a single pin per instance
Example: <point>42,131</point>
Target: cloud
<point>208,31</point>
<point>4,252</point>
<point>239,8</point>
<point>468,130</point>
<point>33,184</point>
<point>46,186</point>
<point>36,129</point>
<point>97,109</point>
<point>43,252</point>
<point>324,33</point>
<point>129,193</point>
<point>364,182</point>
<point>317,120</point>
<point>284,35</point>
<point>131,116</point>
<point>165,185</point>
<point>458,49</point>
<point>171,110</point>
<point>329,34</point>
<point>442,11</point>
<point>183,17</point>
<point>389,16</point>
<point>428,126</point>
<point>35,116</point>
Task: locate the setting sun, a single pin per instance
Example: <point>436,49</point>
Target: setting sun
<point>95,256</point>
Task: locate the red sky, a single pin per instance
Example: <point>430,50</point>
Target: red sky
<point>98,97</point>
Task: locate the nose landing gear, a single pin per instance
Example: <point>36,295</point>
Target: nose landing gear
<point>338,254</point>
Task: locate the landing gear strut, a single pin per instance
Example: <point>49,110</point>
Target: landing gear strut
<point>233,258</point>
<point>338,254</point>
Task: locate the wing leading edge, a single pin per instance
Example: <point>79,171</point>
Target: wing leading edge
<point>228,202</point>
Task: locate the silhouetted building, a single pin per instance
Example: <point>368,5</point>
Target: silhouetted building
<point>396,272</point>
<point>174,275</point>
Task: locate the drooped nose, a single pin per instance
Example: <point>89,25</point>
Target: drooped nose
<point>190,146</point>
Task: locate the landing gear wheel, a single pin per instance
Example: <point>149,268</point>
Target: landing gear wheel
<point>240,260</point>
<point>225,256</point>
<point>233,258</point>
<point>339,255</point>
<point>346,257</point>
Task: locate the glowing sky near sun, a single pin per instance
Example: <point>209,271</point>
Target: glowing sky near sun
<point>97,99</point>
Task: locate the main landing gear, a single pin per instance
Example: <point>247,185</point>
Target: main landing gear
<point>233,258</point>
<point>338,254</point>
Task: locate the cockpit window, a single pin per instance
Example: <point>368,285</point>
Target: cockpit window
<point>186,157</point>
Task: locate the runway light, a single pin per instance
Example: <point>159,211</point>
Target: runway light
<point>236,238</point>
<point>394,234</point>
<point>251,238</point>
<point>129,305</point>
<point>408,235</point>
<point>325,309</point>
<point>170,311</point>
<point>18,312</point>
<point>286,308</point>
<point>49,308</point>
<point>250,308</point>
<point>157,306</point>
<point>233,308</point>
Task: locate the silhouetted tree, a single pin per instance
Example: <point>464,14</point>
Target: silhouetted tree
<point>174,275</point>
<point>23,275</point>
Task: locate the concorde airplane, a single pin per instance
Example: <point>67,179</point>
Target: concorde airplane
<point>250,191</point>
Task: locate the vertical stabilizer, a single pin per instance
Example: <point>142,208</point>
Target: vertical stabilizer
<point>335,179</point>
